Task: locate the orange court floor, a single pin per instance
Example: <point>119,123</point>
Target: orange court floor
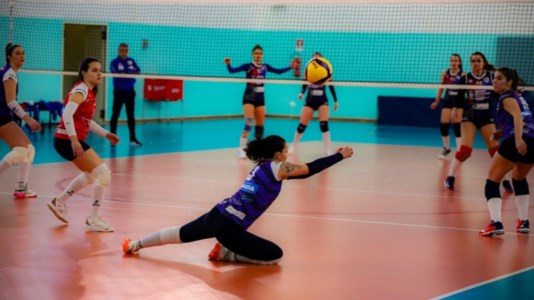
<point>377,226</point>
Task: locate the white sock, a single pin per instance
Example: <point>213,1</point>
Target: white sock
<point>326,140</point>
<point>170,235</point>
<point>494,206</point>
<point>74,186</point>
<point>454,166</point>
<point>242,143</point>
<point>296,138</point>
<point>522,202</point>
<point>446,142</point>
<point>23,174</point>
<point>98,190</point>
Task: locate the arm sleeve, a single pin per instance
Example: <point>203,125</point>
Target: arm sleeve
<point>68,119</point>
<point>320,164</point>
<point>241,68</point>
<point>16,109</point>
<point>275,70</point>
<point>333,91</point>
<point>303,88</point>
<point>97,129</point>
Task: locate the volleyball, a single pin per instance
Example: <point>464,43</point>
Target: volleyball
<point>318,70</point>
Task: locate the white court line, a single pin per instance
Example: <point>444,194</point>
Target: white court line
<point>483,283</point>
<point>300,216</point>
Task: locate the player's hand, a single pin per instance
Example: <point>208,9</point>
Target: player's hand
<point>227,60</point>
<point>112,138</point>
<point>521,146</point>
<point>34,125</point>
<point>77,149</point>
<point>434,104</point>
<point>336,105</point>
<point>301,95</point>
<point>345,151</point>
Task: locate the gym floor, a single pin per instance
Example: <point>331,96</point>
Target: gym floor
<point>377,226</point>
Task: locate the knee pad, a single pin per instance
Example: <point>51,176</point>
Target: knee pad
<point>464,153</point>
<point>258,132</point>
<point>323,125</point>
<point>444,129</point>
<point>16,155</point>
<point>101,175</point>
<point>493,150</point>
<point>31,153</point>
<point>457,127</point>
<point>491,190</point>
<point>249,123</point>
<point>520,187</point>
<point>301,128</point>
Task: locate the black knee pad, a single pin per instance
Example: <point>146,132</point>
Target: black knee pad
<point>520,187</point>
<point>457,127</point>
<point>444,129</point>
<point>301,128</point>
<point>258,132</point>
<point>492,189</point>
<point>324,126</point>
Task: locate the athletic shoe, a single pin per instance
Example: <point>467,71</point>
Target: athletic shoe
<point>444,153</point>
<point>24,193</point>
<point>130,247</point>
<point>523,226</point>
<point>59,209</point>
<point>241,153</point>
<point>449,183</point>
<point>507,186</point>
<point>218,253</point>
<point>97,224</point>
<point>135,143</point>
<point>494,228</point>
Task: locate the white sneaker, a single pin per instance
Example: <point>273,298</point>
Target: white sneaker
<point>241,153</point>
<point>130,247</point>
<point>97,224</point>
<point>59,209</point>
<point>24,193</point>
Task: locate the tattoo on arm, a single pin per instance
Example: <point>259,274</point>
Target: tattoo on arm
<point>289,167</point>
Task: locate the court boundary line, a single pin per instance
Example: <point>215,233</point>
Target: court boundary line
<point>483,283</point>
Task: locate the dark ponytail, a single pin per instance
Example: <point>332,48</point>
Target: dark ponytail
<point>264,149</point>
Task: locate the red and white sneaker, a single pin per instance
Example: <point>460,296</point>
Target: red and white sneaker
<point>27,193</point>
<point>494,228</point>
<point>523,226</point>
<point>130,247</point>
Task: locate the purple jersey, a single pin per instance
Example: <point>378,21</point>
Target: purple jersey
<point>478,102</point>
<point>506,121</point>
<point>452,79</point>
<point>6,73</point>
<point>256,71</point>
<point>256,194</point>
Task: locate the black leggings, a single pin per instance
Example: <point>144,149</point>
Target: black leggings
<point>230,235</point>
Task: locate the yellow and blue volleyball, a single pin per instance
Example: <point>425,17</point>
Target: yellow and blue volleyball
<point>318,71</point>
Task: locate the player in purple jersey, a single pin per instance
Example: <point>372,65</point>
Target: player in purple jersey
<point>316,100</point>
<point>515,154</point>
<point>453,75</point>
<point>22,151</point>
<point>478,113</point>
<point>254,96</point>
<point>228,221</point>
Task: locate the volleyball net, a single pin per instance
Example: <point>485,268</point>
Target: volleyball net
<point>367,42</point>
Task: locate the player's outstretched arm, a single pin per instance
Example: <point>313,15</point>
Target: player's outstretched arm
<point>296,171</point>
